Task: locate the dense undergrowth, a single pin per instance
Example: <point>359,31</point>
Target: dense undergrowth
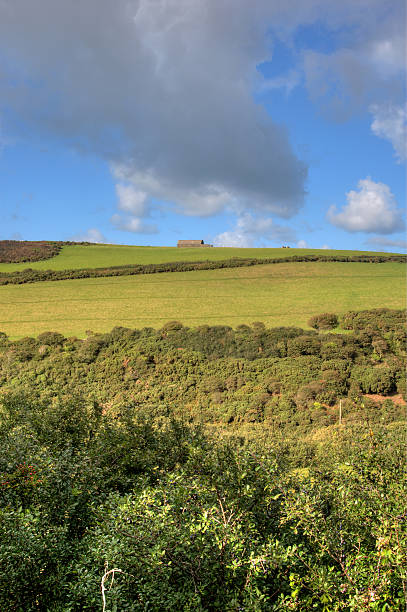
<point>15,251</point>
<point>217,374</point>
<point>20,251</point>
<point>30,275</point>
<point>204,469</point>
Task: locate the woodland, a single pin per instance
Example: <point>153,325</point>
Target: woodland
<point>205,468</point>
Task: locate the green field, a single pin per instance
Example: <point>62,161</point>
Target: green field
<point>100,256</point>
<point>286,294</point>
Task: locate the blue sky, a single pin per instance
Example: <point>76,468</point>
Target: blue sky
<point>245,124</point>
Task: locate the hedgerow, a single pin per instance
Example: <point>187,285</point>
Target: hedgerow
<point>34,276</point>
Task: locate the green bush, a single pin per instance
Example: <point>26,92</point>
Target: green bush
<point>274,508</point>
<point>51,338</point>
<point>33,559</point>
<point>303,345</point>
<point>172,326</point>
<point>327,320</point>
<point>25,348</point>
<point>193,522</point>
<point>378,379</point>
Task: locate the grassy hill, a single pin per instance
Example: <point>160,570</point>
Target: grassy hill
<point>99,256</point>
<point>284,294</point>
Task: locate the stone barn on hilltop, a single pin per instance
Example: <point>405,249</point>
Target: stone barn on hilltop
<point>192,243</point>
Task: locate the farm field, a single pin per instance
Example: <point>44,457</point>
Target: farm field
<point>283,295</point>
<point>100,256</point>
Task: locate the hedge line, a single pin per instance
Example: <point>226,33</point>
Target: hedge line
<point>34,276</point>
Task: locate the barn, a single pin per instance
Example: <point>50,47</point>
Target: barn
<point>192,243</point>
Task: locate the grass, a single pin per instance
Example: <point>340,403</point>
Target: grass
<point>287,294</point>
<point>100,256</point>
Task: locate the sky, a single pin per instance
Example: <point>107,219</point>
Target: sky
<point>242,123</point>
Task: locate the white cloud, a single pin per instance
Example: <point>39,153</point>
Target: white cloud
<point>302,244</point>
<point>390,123</point>
<point>200,201</point>
<point>135,205</point>
<point>91,235</point>
<point>372,208</point>
<point>326,247</point>
<point>249,230</point>
<point>133,224</point>
<point>387,242</point>
<point>130,200</point>
<point>387,53</point>
<point>233,238</point>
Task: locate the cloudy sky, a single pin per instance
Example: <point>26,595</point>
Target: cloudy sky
<point>242,122</point>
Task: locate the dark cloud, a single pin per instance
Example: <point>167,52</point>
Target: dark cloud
<point>164,90</point>
<point>368,67</point>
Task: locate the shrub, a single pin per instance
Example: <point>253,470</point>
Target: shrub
<point>327,320</point>
<point>303,345</point>
<point>25,348</point>
<point>380,379</point>
<point>33,557</point>
<point>90,349</point>
<point>51,338</point>
<point>258,327</point>
<point>401,386</point>
<point>172,326</point>
<point>212,384</point>
<point>307,394</point>
<point>339,365</point>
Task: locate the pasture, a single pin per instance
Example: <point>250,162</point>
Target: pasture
<point>279,295</point>
<point>101,256</point>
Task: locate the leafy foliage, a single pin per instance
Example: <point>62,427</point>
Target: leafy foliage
<point>202,473</point>
<point>327,320</point>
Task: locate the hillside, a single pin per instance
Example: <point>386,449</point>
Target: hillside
<point>211,469</point>
<point>99,256</point>
<point>283,294</point>
<point>189,434</point>
<point>217,374</point>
